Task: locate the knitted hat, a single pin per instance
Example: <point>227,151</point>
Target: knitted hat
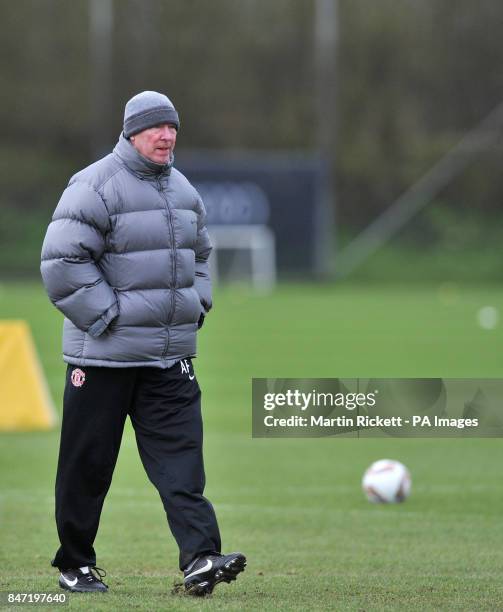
<point>148,109</point>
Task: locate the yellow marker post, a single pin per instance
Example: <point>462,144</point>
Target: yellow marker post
<point>25,403</point>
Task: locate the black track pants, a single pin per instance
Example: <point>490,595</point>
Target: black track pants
<point>165,410</point>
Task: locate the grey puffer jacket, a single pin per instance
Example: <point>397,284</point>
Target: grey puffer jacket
<point>125,259</point>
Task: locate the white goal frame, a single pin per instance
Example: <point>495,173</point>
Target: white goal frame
<point>258,239</point>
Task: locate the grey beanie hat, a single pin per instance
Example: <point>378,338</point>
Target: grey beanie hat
<point>147,109</point>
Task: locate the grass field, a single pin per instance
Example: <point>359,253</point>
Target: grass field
<point>293,506</point>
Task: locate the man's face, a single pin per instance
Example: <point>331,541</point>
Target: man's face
<point>156,143</point>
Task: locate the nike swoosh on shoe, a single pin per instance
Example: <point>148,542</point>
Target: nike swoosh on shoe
<point>201,570</point>
<point>70,583</point>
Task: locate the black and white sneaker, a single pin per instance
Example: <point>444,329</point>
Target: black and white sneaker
<point>204,573</point>
<point>83,580</point>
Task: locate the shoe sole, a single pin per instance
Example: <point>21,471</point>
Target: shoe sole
<point>227,574</point>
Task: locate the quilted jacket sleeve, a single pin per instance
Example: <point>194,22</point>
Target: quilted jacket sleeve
<point>73,246</point>
<point>202,281</point>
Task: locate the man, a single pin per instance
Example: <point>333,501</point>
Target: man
<point>125,259</point>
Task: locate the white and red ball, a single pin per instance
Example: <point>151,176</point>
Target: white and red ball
<point>386,482</point>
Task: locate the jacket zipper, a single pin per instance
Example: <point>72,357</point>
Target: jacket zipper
<point>173,263</point>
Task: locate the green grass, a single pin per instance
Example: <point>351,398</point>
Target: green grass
<point>293,506</point>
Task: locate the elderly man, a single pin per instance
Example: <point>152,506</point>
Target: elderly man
<point>125,259</point>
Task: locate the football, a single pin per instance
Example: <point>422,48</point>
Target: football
<point>386,482</point>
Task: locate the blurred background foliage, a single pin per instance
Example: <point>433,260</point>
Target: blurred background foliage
<point>412,77</point>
